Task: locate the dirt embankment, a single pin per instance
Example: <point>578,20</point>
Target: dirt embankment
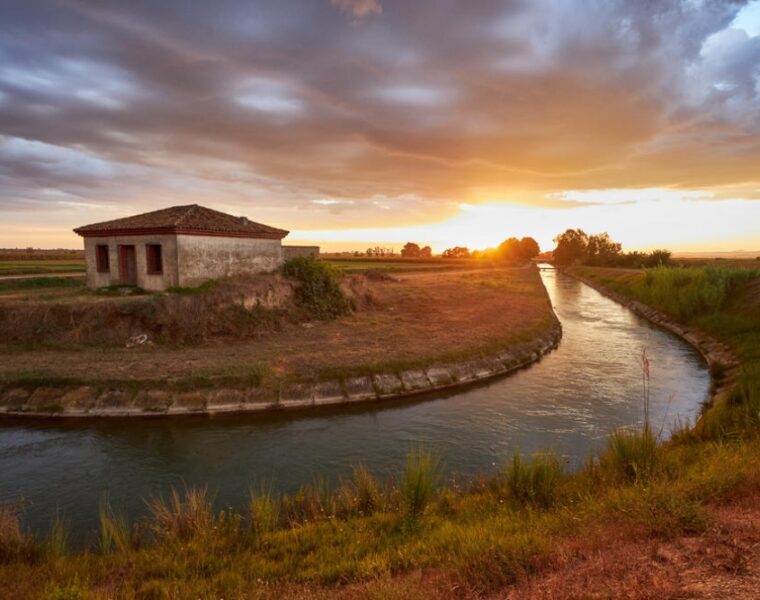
<point>409,334</point>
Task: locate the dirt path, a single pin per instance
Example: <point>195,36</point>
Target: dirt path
<point>723,562</point>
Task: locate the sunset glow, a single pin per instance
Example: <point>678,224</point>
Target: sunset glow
<point>354,123</point>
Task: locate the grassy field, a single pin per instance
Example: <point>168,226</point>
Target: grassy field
<point>35,265</point>
<point>615,528</point>
<point>9,268</point>
<point>409,320</point>
<point>402,265</point>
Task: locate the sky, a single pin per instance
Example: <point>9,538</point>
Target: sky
<point>354,123</point>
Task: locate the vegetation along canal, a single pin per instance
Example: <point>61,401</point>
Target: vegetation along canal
<point>568,402</point>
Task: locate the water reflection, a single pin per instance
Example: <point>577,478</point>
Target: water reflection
<point>568,402</point>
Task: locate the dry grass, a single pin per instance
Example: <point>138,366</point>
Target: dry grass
<point>414,319</point>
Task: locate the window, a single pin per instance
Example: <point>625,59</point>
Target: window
<point>101,258</point>
<point>155,262</point>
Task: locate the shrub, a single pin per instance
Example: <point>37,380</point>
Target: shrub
<point>534,482</point>
<point>685,293</point>
<point>418,482</point>
<point>319,293</point>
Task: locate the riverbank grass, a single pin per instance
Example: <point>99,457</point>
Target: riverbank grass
<point>359,541</point>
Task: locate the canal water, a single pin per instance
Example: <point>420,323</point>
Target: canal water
<point>568,402</point>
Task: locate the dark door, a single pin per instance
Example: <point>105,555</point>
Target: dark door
<point>127,265</point>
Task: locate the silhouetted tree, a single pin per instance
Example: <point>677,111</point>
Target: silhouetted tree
<point>426,252</point>
<point>601,250</point>
<point>518,250</point>
<point>410,250</point>
<point>658,258</point>
<point>456,252</point>
<point>529,248</point>
<point>571,246</point>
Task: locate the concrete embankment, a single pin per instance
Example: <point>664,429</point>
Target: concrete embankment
<point>723,363</point>
<point>137,400</point>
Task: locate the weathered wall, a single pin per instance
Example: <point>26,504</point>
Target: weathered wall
<point>200,258</point>
<point>289,252</point>
<point>168,278</point>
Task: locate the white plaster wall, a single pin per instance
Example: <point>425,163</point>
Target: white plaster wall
<point>168,278</point>
<point>200,258</point>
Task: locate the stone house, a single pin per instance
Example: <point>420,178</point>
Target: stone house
<point>181,246</point>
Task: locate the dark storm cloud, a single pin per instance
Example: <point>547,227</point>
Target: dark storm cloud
<point>299,103</point>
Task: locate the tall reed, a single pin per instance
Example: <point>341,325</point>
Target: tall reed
<point>114,530</point>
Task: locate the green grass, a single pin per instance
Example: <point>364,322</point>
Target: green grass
<point>399,265</point>
<point>40,283</point>
<point>479,537</point>
<point>40,267</point>
<point>533,482</point>
<point>473,536</point>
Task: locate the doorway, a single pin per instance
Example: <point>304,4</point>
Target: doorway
<point>127,265</point>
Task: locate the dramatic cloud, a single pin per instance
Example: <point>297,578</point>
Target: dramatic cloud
<point>323,115</point>
<point>359,8</point>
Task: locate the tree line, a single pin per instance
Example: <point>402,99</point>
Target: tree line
<point>511,249</point>
<point>576,246</point>
<point>572,246</point>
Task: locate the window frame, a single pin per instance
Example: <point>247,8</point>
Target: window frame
<point>102,258</point>
<point>154,259</point>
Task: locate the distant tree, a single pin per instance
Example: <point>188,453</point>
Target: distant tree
<point>516,250</point>
<point>456,252</point>
<point>601,250</point>
<point>410,250</point>
<point>658,258</point>
<point>529,248</point>
<point>426,252</point>
<point>509,249</point>
<point>571,246</point>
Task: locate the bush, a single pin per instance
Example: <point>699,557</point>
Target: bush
<point>534,482</point>
<point>319,293</point>
<point>685,293</point>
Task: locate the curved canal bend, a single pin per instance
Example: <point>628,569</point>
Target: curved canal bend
<point>569,402</point>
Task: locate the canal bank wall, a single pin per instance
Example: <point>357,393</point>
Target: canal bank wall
<point>62,401</point>
<point>722,362</point>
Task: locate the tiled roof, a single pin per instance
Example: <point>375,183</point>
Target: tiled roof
<point>191,219</point>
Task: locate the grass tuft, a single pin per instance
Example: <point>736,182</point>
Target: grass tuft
<point>182,517</point>
<point>114,531</point>
<point>533,482</point>
<point>631,454</point>
<point>418,482</point>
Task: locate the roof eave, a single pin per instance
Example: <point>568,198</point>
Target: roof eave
<point>85,232</point>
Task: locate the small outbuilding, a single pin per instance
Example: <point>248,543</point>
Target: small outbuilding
<point>181,246</point>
